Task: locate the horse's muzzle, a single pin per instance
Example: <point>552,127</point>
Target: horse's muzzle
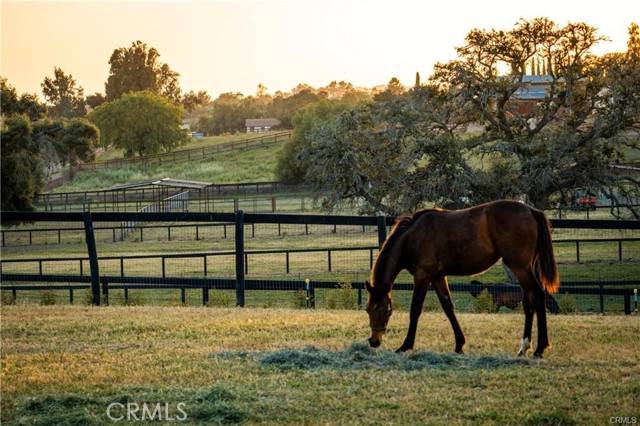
<point>374,343</point>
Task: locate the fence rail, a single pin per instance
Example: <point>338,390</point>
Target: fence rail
<point>89,265</point>
<point>192,154</point>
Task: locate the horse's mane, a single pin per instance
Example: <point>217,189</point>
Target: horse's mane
<point>400,226</point>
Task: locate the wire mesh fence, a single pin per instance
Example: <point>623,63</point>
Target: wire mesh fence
<point>285,261</point>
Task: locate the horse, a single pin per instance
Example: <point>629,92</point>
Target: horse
<point>434,243</point>
<point>510,299</point>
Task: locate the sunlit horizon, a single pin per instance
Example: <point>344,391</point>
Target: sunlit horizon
<point>232,46</point>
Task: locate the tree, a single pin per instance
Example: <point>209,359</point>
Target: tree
<point>95,100</point>
<point>393,90</point>
<point>396,155</point>
<point>389,157</point>
<point>21,170</point>
<point>138,68</point>
<point>140,123</point>
<point>192,100</point>
<point>26,103</point>
<point>291,168</point>
<point>284,107</point>
<point>565,140</point>
<point>63,94</point>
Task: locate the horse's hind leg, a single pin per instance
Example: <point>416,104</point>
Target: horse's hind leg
<point>533,301</point>
<point>444,295</point>
<point>417,300</point>
<point>527,307</point>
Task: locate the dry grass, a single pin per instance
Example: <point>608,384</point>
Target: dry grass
<point>52,353</point>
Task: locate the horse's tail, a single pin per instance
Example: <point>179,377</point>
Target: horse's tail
<point>545,259</point>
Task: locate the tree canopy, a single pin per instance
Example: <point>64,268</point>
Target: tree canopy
<point>140,123</point>
<point>27,103</point>
<point>472,133</point>
<point>21,169</point>
<point>64,95</point>
<point>138,68</point>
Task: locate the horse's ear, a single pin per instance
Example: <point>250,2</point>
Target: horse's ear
<point>368,286</point>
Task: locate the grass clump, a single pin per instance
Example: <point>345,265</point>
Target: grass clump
<point>7,298</point>
<point>220,298</point>
<point>567,303</point>
<point>299,299</point>
<point>484,302</point>
<point>554,418</point>
<point>361,356</point>
<point>214,405</point>
<point>343,297</point>
<point>47,298</point>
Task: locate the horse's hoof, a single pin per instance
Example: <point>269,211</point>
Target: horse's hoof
<point>459,351</point>
<point>402,349</point>
<point>537,355</point>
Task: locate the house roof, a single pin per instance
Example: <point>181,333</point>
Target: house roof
<point>535,87</point>
<point>261,122</point>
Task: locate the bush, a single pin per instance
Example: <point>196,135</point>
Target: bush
<point>220,298</point>
<point>484,302</point>
<point>47,298</point>
<point>299,299</point>
<point>567,303</point>
<point>343,297</point>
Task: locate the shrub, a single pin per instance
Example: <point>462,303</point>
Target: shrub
<point>220,298</point>
<point>299,299</point>
<point>484,302</point>
<point>344,297</point>
<point>567,303</point>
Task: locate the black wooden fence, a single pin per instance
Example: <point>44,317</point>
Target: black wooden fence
<point>101,284</point>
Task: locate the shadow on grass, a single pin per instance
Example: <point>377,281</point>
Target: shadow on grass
<point>360,356</point>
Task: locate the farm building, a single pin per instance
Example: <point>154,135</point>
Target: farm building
<point>259,125</point>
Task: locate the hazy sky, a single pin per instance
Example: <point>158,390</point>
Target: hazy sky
<point>234,45</point>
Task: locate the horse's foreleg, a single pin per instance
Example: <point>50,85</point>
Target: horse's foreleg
<point>444,295</point>
<point>419,293</point>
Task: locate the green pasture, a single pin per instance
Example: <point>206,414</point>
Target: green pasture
<point>112,153</point>
<point>255,164</point>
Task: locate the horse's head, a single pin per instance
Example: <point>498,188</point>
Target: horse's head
<point>379,310</point>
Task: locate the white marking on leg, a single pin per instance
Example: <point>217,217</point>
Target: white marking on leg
<point>525,344</point>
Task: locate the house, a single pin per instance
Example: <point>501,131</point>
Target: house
<point>534,89</point>
<point>259,125</point>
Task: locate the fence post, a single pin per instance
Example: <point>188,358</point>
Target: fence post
<point>620,250</point>
<point>382,230</point>
<point>93,258</point>
<point>105,290</point>
<point>627,303</point>
<point>601,299</point>
<point>239,236</point>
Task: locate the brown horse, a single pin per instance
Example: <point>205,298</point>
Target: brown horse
<point>435,243</point>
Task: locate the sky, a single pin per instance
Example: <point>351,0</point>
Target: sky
<point>223,46</point>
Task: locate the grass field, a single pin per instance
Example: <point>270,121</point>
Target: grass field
<point>66,364</point>
<point>256,164</point>
<point>112,153</point>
